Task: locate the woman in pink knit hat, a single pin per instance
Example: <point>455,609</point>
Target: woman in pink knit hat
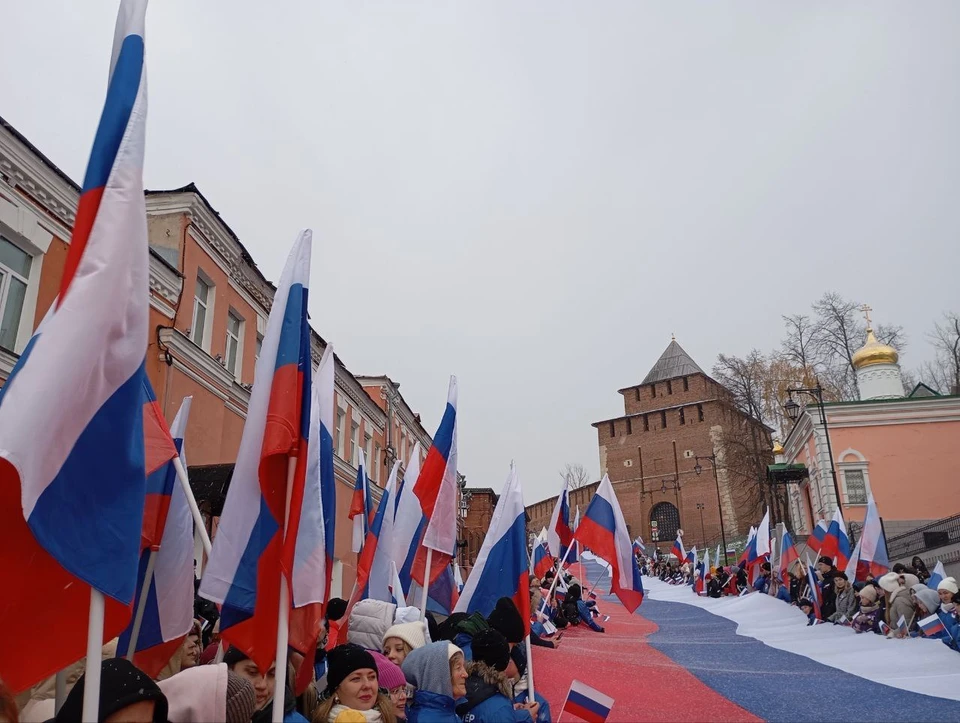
<point>393,681</point>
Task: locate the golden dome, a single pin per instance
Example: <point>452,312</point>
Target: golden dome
<point>777,448</point>
<point>874,352</point>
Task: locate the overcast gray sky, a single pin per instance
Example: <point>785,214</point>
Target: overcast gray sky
<point>535,195</point>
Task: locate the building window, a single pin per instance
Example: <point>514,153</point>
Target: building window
<point>613,429</point>
<point>14,273</point>
<point>653,391</point>
<point>686,385</point>
<point>669,387</point>
<point>683,419</point>
<point>256,354</point>
<point>637,390</point>
<point>234,335</point>
<point>663,419</point>
<point>201,309</point>
<point>368,451</point>
<point>376,462</point>
<point>646,423</point>
<point>856,484</point>
<point>629,426</point>
<point>338,433</point>
<point>354,443</point>
<point>699,412</point>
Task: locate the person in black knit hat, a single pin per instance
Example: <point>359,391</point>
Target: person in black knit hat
<point>353,685</point>
<point>489,691</point>
<point>126,693</point>
<point>506,619</point>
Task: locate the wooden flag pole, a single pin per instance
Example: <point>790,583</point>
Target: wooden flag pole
<point>531,694</point>
<point>426,584</point>
<point>283,619</point>
<point>92,666</point>
<point>141,605</point>
<point>192,502</point>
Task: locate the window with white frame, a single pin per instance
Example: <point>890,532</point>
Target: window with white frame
<point>856,484</point>
<point>354,443</point>
<point>234,341</point>
<point>376,461</point>
<point>14,273</point>
<point>256,354</point>
<point>202,297</point>
<point>368,450</point>
<point>338,433</point>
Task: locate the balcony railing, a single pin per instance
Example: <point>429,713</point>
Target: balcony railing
<point>929,537</point>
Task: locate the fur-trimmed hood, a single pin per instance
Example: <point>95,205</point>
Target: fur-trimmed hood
<point>484,682</point>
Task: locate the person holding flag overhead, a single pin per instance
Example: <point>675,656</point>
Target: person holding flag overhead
<point>72,410</point>
<point>255,548</point>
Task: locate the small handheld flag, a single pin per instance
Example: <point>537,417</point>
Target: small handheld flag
<point>902,624</point>
<point>931,625</point>
<point>587,703</point>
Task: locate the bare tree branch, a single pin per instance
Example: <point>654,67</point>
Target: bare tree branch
<point>575,475</point>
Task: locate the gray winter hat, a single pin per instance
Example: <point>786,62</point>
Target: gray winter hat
<point>929,598</point>
<point>428,668</point>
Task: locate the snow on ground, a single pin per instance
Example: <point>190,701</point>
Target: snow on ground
<point>915,664</point>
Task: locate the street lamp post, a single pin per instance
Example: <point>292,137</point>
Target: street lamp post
<point>712,459</point>
<point>703,535</point>
<point>792,410</point>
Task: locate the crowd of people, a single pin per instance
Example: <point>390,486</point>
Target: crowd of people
<point>893,604</point>
<point>394,666</point>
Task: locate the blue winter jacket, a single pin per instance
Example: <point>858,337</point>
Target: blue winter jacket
<point>783,593</point>
<point>427,707</point>
<point>951,637</point>
<point>543,715</point>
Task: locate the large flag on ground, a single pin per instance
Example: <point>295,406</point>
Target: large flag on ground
<point>72,464</point>
<point>251,547</point>
<point>559,534</point>
<point>604,531</point>
<point>501,569</point>
<point>873,546</point>
<point>788,556</point>
<point>836,544</point>
<point>168,612</point>
<point>361,505</point>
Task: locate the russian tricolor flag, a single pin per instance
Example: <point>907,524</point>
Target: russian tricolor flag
<point>501,568</point>
<point>814,588</point>
<point>932,625</point>
<point>72,464</point>
<point>938,575</point>
<point>587,703</point>
<point>542,561</point>
<point>604,531</point>
<point>678,550</point>
<point>361,505</point>
<point>816,537</point>
<point>374,557</point>
<point>168,609</point>
<point>836,544</point>
<point>788,556</point>
<point>559,534</point>
<point>251,548</point>
<point>873,547</point>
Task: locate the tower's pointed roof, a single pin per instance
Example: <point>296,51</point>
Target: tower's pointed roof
<point>674,362</point>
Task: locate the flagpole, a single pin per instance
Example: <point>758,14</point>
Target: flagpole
<point>141,605</point>
<point>426,584</point>
<point>556,577</point>
<point>283,619</point>
<point>602,575</point>
<point>91,686</point>
<point>531,694</point>
<point>192,502</point>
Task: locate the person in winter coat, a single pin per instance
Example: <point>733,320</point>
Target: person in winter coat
<point>828,590</point>
<point>798,579</point>
<point>126,694</point>
<point>438,673</point>
<point>574,605</point>
<point>947,590</point>
<point>264,683</point>
<point>920,569</point>
<point>762,583</point>
<point>400,640</point>
<point>896,589</point>
<point>845,603</point>
<point>353,691</point>
<point>868,618</point>
<point>806,607</point>
<point>209,693</point>
<point>488,698</point>
<point>369,620</point>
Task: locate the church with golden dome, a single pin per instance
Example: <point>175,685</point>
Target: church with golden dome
<point>901,448</point>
